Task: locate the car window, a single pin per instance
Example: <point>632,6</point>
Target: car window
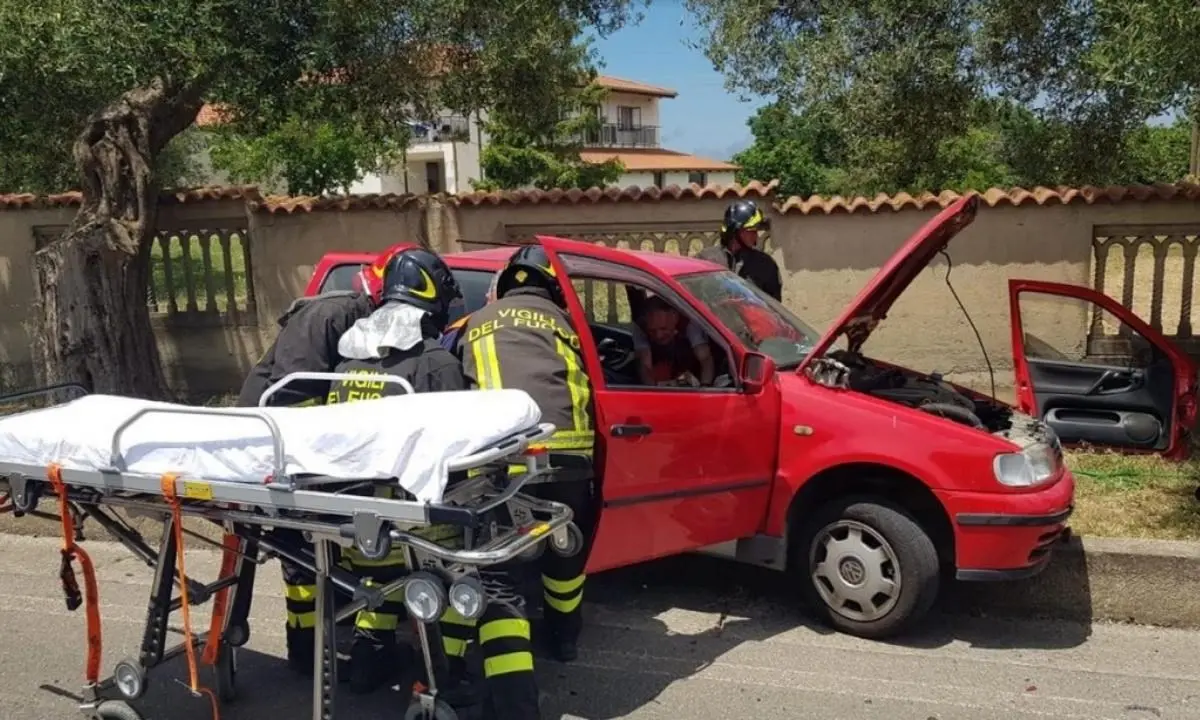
<point>474,285</point>
<point>605,302</point>
<point>759,320</point>
<point>341,277</point>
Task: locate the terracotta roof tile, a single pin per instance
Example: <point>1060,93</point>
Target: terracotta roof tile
<point>304,204</point>
<point>992,197</point>
<point>655,159</point>
<point>168,197</point>
<point>616,194</point>
<point>617,84</point>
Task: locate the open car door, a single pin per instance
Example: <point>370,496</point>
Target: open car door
<point>1098,374</point>
<point>680,469</point>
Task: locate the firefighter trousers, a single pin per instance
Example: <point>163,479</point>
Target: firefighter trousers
<point>504,639</point>
<point>563,578</point>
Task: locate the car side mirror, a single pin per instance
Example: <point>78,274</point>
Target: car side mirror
<point>757,371</point>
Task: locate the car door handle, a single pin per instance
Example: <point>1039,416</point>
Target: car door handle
<point>630,430</point>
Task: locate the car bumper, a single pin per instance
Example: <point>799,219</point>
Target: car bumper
<point>1009,536</point>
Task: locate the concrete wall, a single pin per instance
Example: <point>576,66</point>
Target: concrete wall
<point>827,255</point>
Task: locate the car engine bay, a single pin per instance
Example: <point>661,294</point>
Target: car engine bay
<point>928,393</point>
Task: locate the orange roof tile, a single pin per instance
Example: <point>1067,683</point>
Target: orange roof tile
<point>993,197</point>
<point>650,159</point>
<point>634,87</point>
<point>208,193</point>
<point>616,194</point>
<point>210,115</point>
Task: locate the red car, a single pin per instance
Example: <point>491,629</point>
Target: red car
<point>864,478</point>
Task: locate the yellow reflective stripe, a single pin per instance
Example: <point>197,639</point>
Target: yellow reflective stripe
<point>454,617</point>
<point>395,557</point>
<point>563,587</point>
<point>577,384</point>
<point>454,647</point>
<point>300,593</point>
<point>509,628</point>
<point>572,440</point>
<point>368,620</point>
<point>303,621</point>
<point>487,367</point>
<point>563,606</point>
<point>508,663</point>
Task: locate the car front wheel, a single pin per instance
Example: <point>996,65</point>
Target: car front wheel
<point>867,567</point>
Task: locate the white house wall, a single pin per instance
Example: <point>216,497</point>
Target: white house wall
<point>646,179</point>
<point>648,105</point>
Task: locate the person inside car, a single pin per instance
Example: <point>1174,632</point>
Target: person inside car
<point>670,350</point>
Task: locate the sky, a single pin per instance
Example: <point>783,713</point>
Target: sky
<point>704,119</point>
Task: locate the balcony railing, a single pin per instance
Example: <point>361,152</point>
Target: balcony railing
<point>450,128</point>
<point>614,135</point>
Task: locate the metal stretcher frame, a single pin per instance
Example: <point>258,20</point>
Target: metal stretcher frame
<point>374,525</point>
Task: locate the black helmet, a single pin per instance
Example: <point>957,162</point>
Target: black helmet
<point>529,267</point>
<point>742,215</point>
<point>421,279</point>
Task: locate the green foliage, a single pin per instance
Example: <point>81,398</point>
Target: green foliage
<point>362,68</point>
<point>304,156</point>
<point>909,87</point>
<point>539,144</point>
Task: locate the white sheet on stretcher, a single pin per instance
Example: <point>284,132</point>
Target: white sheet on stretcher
<point>412,438</point>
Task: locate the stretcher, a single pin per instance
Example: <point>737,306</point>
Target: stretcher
<point>448,459</point>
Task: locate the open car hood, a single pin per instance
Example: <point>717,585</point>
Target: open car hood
<point>862,315</point>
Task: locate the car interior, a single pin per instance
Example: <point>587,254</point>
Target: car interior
<point>613,333</point>
<point>1120,393</point>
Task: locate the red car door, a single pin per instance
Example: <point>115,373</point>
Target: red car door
<point>1097,373</point>
<point>681,469</point>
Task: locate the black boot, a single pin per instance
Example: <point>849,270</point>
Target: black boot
<point>374,663</point>
<point>300,648</point>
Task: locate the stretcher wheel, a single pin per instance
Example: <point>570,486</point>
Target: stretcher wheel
<point>130,679</point>
<point>441,711</point>
<point>571,542</point>
<point>225,674</point>
<point>237,634</point>
<point>383,546</point>
<point>115,710</point>
<point>533,553</point>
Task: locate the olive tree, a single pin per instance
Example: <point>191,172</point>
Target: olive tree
<point>116,80</point>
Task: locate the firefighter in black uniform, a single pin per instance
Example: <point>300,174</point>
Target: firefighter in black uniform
<point>307,342</point>
<point>739,251</point>
<point>400,338</point>
<point>525,340</point>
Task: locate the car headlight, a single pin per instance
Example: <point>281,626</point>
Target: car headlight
<point>467,598</point>
<point>425,597</point>
<point>1032,466</point>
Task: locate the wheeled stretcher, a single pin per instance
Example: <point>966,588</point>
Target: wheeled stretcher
<point>447,457</point>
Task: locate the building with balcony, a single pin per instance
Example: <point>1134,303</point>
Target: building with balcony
<point>630,131</point>
<point>444,152</point>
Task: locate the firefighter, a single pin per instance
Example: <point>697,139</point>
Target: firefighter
<point>739,251</point>
<point>399,338</point>
<point>525,340</point>
<point>307,341</point>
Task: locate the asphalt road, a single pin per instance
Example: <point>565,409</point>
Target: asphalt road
<point>674,640</point>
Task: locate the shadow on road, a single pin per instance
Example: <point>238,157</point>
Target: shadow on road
<point>756,604</point>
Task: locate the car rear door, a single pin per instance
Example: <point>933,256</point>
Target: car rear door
<point>1097,373</point>
<point>681,468</point>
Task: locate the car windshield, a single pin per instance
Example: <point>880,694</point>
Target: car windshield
<point>758,320</point>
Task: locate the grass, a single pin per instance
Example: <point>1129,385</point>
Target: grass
<point>194,261</point>
<point>1135,496</point>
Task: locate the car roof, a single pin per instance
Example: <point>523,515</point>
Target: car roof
<point>494,258</point>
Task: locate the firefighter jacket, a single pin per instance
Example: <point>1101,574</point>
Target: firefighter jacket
<point>308,338</point>
<point>427,366</point>
<point>525,341</point>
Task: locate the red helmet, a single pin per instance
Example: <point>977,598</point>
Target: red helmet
<point>370,278</point>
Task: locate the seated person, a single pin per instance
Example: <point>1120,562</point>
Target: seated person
<point>665,355</point>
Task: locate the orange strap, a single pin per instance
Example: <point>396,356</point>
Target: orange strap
<point>91,595</point>
<point>172,498</point>
<point>232,548</point>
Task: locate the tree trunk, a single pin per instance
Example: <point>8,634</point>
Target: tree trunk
<point>92,321</point>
